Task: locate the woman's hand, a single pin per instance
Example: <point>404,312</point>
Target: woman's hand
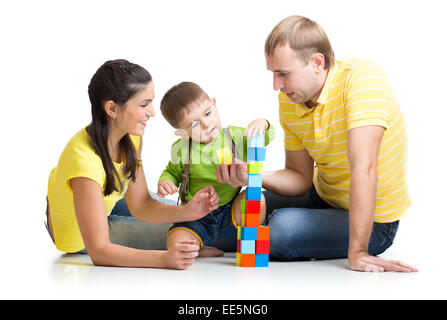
<point>181,255</point>
<point>166,187</point>
<point>257,126</point>
<point>203,202</point>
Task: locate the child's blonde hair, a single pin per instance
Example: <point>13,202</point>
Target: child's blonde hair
<point>304,36</point>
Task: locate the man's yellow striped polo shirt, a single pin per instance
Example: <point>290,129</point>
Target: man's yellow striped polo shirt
<point>356,94</point>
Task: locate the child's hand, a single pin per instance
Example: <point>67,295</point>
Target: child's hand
<point>181,255</point>
<point>255,127</point>
<point>166,187</point>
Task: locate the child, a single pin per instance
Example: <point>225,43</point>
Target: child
<point>190,110</point>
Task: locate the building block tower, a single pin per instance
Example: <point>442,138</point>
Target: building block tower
<point>252,239</point>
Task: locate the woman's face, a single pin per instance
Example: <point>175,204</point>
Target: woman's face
<point>133,115</point>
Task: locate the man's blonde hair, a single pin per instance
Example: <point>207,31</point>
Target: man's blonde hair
<point>304,36</point>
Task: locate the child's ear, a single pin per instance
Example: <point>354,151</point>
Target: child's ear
<point>181,133</point>
<point>213,100</point>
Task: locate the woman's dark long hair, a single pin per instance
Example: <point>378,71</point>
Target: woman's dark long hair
<point>116,80</point>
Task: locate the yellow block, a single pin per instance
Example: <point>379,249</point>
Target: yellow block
<point>224,155</point>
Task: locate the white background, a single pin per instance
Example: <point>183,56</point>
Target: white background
<point>49,50</point>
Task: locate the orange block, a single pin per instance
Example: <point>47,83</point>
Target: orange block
<point>248,260</point>
<point>252,220</point>
<point>263,233</point>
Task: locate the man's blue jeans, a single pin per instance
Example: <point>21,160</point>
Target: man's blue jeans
<point>307,227</point>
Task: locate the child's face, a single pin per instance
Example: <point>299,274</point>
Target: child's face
<point>202,122</point>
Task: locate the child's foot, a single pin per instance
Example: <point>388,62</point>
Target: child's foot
<point>210,252</point>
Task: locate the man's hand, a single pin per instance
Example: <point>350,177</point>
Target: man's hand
<point>203,202</point>
<point>236,177</point>
<point>362,261</point>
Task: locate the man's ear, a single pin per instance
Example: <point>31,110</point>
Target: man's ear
<point>111,109</point>
<point>317,61</point>
<point>181,133</point>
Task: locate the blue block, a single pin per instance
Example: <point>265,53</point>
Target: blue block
<point>249,233</point>
<point>256,154</point>
<point>248,246</point>
<point>262,260</point>
<point>253,193</point>
<point>251,153</point>
<point>254,180</point>
<point>256,141</point>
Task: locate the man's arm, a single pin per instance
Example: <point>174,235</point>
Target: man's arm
<point>295,179</point>
<point>363,151</point>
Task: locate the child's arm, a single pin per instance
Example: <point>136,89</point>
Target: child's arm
<point>260,126</point>
<point>169,180</point>
<point>171,177</point>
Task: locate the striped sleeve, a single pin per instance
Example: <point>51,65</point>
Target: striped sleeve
<point>369,98</point>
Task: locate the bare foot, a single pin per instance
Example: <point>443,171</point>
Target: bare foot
<point>210,252</point>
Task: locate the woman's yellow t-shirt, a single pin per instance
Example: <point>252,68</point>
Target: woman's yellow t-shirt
<point>79,159</point>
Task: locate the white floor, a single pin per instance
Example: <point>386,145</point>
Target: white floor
<point>34,274</point>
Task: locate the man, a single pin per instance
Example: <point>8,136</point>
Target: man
<point>343,189</point>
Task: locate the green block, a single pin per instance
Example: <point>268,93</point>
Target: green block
<point>243,206</point>
<point>255,167</point>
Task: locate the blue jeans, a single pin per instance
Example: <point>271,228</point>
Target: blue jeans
<point>216,225</point>
<point>307,227</point>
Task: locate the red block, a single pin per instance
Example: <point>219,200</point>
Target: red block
<point>262,246</point>
<point>253,206</point>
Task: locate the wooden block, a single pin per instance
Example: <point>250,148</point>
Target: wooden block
<point>257,141</point>
<point>262,246</point>
<point>243,206</point>
<point>253,206</point>
<point>224,155</point>
<point>247,246</point>
<point>247,233</point>
<point>263,233</point>
<point>254,167</point>
<point>238,259</point>
<point>238,245</point>
<point>243,219</point>
<point>254,180</point>
<point>256,153</point>
<point>248,260</point>
<point>261,260</point>
<point>253,193</point>
<point>252,219</point>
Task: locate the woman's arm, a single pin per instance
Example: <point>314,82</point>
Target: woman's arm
<point>92,220</point>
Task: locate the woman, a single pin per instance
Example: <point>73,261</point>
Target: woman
<point>100,165</point>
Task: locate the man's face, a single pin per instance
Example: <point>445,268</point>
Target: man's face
<point>292,75</point>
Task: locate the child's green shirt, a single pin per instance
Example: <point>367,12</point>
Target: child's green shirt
<point>204,161</point>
